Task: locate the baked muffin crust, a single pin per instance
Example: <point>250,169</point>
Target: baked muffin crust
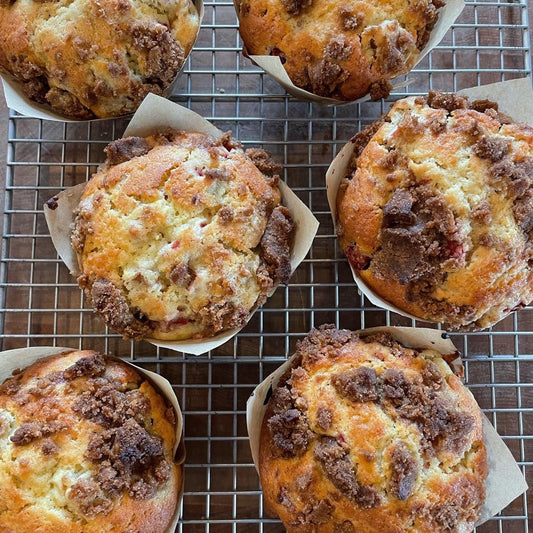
<point>95,58</point>
<point>435,212</point>
<point>366,435</point>
<point>86,445</point>
<point>181,235</point>
<point>336,49</point>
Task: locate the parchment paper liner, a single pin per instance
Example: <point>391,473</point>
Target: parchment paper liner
<point>273,67</point>
<point>157,114</point>
<point>514,97</point>
<point>18,101</point>
<point>11,360</point>
<point>505,481</point>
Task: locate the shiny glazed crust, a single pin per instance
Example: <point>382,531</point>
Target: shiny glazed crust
<point>181,235</point>
<point>364,435</point>
<point>340,49</point>
<point>86,446</point>
<point>95,58</point>
<point>436,212</point>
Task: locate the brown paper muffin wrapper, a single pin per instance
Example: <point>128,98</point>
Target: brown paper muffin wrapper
<point>505,481</point>
<point>273,67</point>
<point>17,100</point>
<point>157,114</point>
<point>12,360</point>
<point>514,97</point>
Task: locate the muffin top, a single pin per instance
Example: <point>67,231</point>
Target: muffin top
<point>95,58</point>
<point>435,214</point>
<point>339,49</point>
<point>181,235</point>
<point>366,435</point>
<point>86,445</point>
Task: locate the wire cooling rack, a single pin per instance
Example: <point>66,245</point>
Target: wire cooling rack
<point>41,304</point>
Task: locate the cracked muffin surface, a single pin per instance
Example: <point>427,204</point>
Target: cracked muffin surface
<point>366,435</point>
<point>86,446</point>
<point>95,59</point>
<point>435,213</point>
<point>341,49</point>
<point>181,235</point>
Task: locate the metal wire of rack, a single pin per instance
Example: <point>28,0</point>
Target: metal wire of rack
<point>42,305</point>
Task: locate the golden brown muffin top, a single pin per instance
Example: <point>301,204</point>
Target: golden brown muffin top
<point>339,49</point>
<point>181,235</point>
<point>86,445</point>
<point>95,58</point>
<point>367,435</point>
<point>435,214</point>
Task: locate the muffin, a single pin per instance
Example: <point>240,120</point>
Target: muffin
<point>366,435</point>
<point>435,214</point>
<point>86,445</point>
<point>341,50</point>
<point>90,59</point>
<point>181,235</point>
